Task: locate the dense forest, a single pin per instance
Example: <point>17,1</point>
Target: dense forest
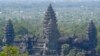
<point>72,17</point>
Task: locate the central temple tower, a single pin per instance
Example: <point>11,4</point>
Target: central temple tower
<point>50,30</point>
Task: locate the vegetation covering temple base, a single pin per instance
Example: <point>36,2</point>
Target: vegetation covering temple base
<point>51,41</point>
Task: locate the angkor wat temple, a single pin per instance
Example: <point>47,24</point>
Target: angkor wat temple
<point>51,41</point>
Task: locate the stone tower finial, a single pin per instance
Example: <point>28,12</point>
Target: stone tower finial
<point>9,33</point>
<point>50,14</point>
<point>50,7</point>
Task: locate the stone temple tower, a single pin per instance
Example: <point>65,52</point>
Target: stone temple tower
<point>91,35</point>
<point>8,33</point>
<point>50,30</point>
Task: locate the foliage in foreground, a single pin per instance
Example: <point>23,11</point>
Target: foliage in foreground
<point>11,51</point>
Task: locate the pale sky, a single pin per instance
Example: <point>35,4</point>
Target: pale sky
<point>46,0</point>
<point>49,0</point>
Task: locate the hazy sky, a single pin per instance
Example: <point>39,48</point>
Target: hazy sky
<point>48,0</point>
